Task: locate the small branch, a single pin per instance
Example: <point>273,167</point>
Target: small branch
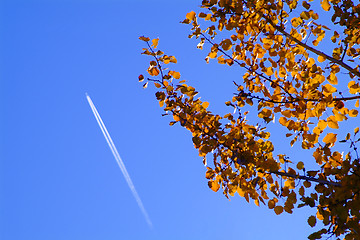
<point>247,68</point>
<point>299,99</point>
<point>343,56</point>
<point>312,179</point>
<point>341,63</point>
<point>157,60</point>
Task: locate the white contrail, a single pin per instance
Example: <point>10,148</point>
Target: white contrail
<point>118,159</point>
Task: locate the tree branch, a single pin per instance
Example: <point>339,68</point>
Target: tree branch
<point>312,179</point>
<point>341,63</point>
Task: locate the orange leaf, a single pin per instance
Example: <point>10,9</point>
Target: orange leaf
<point>191,15</point>
<point>146,39</point>
<point>153,71</point>
<point>173,59</point>
<point>330,138</point>
<point>325,5</point>
<point>319,216</point>
<point>155,42</point>
<point>353,113</point>
<point>321,58</point>
<point>214,185</point>
<point>212,54</point>
<point>175,75</point>
<point>205,104</point>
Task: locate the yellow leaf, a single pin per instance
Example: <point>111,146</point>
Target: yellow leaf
<point>278,210</point>
<point>153,71</point>
<point>322,125</point>
<point>146,39</point>
<point>212,54</point>
<point>191,15</point>
<point>305,15</point>
<point>214,185</point>
<point>330,138</point>
<point>315,16</point>
<point>332,78</point>
<point>173,59</point>
<point>312,221</point>
<point>319,216</point>
<point>241,192</point>
<point>300,165</point>
<point>353,113</point>
<point>325,5</point>
<point>286,113</point>
<point>356,130</point>
<point>283,121</point>
<point>176,75</point>
<point>155,42</point>
<point>295,22</point>
<point>205,104</point>
<point>357,103</point>
<point>269,71</point>
<point>332,123</point>
<point>321,58</point>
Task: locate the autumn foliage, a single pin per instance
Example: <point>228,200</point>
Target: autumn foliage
<point>301,71</point>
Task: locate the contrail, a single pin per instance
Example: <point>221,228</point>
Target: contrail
<point>118,160</point>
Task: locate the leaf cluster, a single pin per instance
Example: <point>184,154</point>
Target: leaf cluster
<point>290,79</point>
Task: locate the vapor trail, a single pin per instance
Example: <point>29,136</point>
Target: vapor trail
<point>118,159</point>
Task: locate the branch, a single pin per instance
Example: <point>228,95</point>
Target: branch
<point>341,63</point>
<point>247,68</point>
<point>312,179</point>
<point>305,99</point>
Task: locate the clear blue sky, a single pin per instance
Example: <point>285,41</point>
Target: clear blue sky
<point>58,178</point>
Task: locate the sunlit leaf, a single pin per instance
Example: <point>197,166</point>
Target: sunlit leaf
<point>155,42</point>
<point>330,138</point>
<point>321,58</point>
<point>191,15</point>
<point>205,104</point>
<point>353,113</point>
<point>325,5</point>
<point>214,185</point>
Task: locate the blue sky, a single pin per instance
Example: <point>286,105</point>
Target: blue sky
<point>58,178</point>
